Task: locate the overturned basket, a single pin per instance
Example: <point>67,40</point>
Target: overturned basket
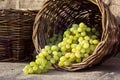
<point>58,15</point>
<point>15,34</point>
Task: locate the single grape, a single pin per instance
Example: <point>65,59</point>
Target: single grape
<point>95,42</point>
<point>73,45</point>
<point>33,64</point>
<point>47,48</point>
<point>78,60</point>
<point>88,29</point>
<point>30,71</point>
<point>69,41</point>
<point>63,49</point>
<point>67,55</point>
<point>82,50</point>
<point>63,58</point>
<point>77,54</point>
<point>67,63</point>
<point>56,58</point>
<point>61,64</point>
<point>93,37</point>
<point>93,30</point>
<point>48,57</point>
<point>80,39</point>
<point>52,60</point>
<point>92,47</point>
<point>74,50</point>
<point>82,25</point>
<point>68,46</point>
<point>86,45</point>
<point>35,68</point>
<point>83,33</point>
<point>86,55</point>
<point>54,48</point>
<point>87,38</point>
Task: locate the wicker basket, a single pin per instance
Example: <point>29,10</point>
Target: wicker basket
<point>15,34</point>
<point>58,15</point>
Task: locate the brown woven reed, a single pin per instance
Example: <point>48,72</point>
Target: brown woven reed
<point>58,15</point>
<point>15,34</point>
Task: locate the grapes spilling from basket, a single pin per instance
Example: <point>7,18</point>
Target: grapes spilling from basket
<point>77,44</point>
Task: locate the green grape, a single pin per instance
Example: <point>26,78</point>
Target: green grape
<point>26,71</point>
<point>63,49</point>
<point>67,55</point>
<point>94,37</point>
<point>95,42</point>
<point>47,48</point>
<point>97,33</point>
<point>88,51</point>
<point>72,55</point>
<point>75,39</point>
<point>78,47</point>
<point>33,64</point>
<point>73,45</point>
<point>68,46</point>
<point>61,64</point>
<point>35,68</point>
<point>54,48</point>
<point>88,29</point>
<point>82,50</point>
<point>41,55</point>
<point>87,38</point>
<point>38,61</point>
<point>49,51</point>
<point>67,32</point>
<point>91,41</point>
<point>86,45</point>
<point>92,47</point>
<point>37,56</point>
<point>83,33</point>
<point>67,63</point>
<point>55,53</point>
<point>82,25</point>
<point>41,67</point>
<point>60,44</point>
<point>80,39</point>
<point>93,30</point>
<point>69,41</point>
<point>63,58</point>
<point>75,32</point>
<point>77,54</point>
<point>59,54</point>
<point>77,35</point>
<point>75,26</point>
<point>39,71</point>
<point>48,57</point>
<point>71,37</point>
<point>74,50</point>
<point>80,29</point>
<point>86,55</point>
<point>30,70</point>
<point>56,57</point>
<point>65,39</point>
<point>45,54</point>
<point>52,61</point>
<point>78,60</point>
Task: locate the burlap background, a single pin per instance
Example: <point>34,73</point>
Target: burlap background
<point>36,5</point>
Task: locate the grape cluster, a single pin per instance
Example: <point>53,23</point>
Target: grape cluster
<point>78,43</point>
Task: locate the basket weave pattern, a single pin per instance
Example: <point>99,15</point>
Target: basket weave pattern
<point>15,34</point>
<point>58,15</point>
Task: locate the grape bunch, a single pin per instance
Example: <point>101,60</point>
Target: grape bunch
<point>77,44</point>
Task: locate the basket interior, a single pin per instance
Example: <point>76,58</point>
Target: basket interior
<point>59,15</point>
